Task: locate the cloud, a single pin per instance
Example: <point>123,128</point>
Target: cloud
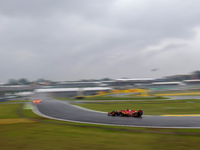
<point>71,40</point>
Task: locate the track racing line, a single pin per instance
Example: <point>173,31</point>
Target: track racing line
<point>62,110</point>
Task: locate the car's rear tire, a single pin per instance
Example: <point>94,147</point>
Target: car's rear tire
<point>135,114</point>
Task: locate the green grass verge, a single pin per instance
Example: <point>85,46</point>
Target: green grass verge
<point>114,98</point>
<point>175,91</point>
<point>2,102</point>
<point>50,136</point>
<point>8,111</point>
<point>149,107</point>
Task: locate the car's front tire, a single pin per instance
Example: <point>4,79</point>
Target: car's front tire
<point>113,113</point>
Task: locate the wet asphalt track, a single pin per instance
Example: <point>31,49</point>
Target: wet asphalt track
<point>63,111</point>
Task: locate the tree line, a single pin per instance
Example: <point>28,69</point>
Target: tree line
<point>24,81</point>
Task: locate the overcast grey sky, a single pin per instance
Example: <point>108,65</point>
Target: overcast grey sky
<point>92,39</point>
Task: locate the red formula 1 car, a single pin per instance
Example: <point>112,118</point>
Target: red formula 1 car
<point>126,112</point>
<point>36,101</point>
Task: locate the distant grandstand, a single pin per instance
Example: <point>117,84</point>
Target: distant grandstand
<point>164,85</point>
<point>129,82</point>
<point>192,82</point>
<point>77,84</point>
<point>72,92</point>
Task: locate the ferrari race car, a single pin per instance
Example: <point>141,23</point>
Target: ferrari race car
<point>36,101</point>
<point>126,112</point>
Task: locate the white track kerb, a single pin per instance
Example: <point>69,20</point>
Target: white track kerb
<point>89,109</point>
<point>36,111</point>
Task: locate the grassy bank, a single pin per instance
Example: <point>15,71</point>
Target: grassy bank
<point>8,111</point>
